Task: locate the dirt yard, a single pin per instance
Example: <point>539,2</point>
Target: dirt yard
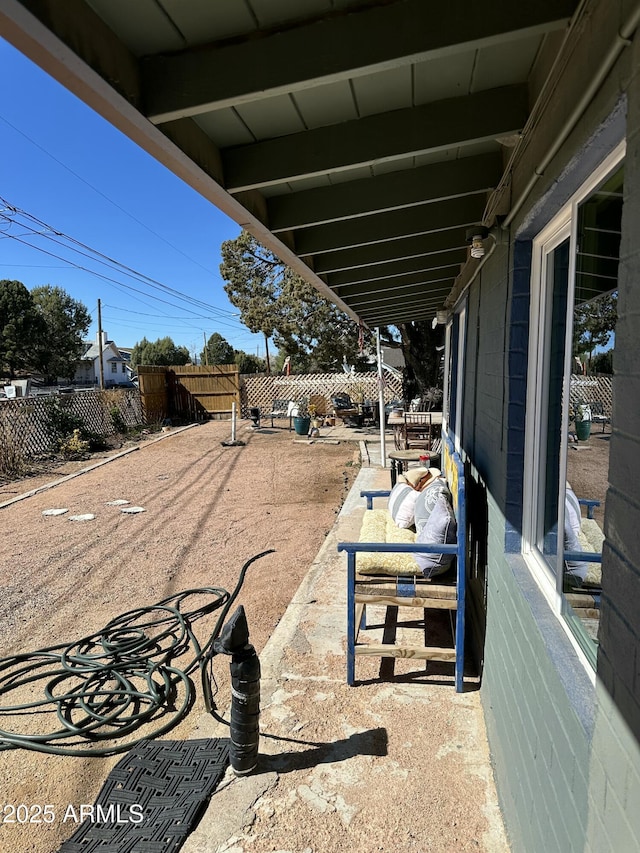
<point>207,509</point>
<point>588,469</point>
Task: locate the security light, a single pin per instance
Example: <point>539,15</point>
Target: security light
<point>476,236</point>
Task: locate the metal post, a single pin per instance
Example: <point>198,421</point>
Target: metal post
<point>100,345</point>
<point>383,454</point>
<point>233,421</point>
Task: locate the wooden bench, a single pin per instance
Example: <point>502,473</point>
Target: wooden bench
<point>406,587</point>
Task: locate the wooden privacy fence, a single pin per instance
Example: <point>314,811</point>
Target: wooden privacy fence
<point>197,392</point>
<point>188,392</point>
<point>260,391</point>
<point>28,420</point>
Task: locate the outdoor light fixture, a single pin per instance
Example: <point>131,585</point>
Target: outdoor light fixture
<point>440,319</point>
<point>476,236</point>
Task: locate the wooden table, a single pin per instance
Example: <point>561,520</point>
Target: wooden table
<point>397,421</point>
<point>399,461</point>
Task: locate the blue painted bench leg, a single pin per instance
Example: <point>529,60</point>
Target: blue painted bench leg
<point>351,619</point>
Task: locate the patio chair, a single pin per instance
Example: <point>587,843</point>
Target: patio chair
<point>598,415</point>
<point>419,431</point>
<point>346,409</point>
<point>281,409</point>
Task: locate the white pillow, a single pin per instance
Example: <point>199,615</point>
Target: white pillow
<point>576,569</point>
<point>402,504</point>
<point>427,500</point>
<point>572,513</point>
<point>440,529</point>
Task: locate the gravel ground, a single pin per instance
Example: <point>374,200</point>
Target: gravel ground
<point>588,469</point>
<point>208,508</point>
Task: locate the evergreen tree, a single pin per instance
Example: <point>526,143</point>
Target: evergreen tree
<point>593,323</point>
<point>217,351</point>
<point>248,363</point>
<point>21,328</point>
<point>162,352</point>
<point>421,346</point>
<point>275,301</point>
<point>66,321</point>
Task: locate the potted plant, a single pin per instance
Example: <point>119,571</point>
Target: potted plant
<point>582,418</point>
<point>302,418</point>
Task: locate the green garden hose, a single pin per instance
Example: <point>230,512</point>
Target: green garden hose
<point>97,693</point>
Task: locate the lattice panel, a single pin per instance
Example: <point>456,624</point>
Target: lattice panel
<point>590,388</point>
<point>260,391</point>
<point>27,418</point>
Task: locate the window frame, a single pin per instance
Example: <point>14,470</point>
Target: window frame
<point>455,345</point>
<point>564,225</point>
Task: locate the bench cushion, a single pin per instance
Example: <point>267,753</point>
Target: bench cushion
<point>378,526</point>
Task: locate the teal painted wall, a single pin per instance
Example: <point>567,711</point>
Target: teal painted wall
<point>539,744</point>
<point>565,750</point>
<point>567,765</point>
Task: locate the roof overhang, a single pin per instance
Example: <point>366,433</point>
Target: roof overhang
<point>356,139</point>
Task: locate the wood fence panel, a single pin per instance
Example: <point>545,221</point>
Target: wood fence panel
<point>152,381</point>
<point>202,390</point>
<point>586,389</point>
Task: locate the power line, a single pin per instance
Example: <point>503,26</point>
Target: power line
<point>48,232</point>
<point>122,286</point>
<point>110,263</point>
<point>103,195</point>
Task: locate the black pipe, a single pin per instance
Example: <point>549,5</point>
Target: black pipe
<point>245,693</point>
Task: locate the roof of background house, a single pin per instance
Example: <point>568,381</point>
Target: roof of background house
<point>93,350</point>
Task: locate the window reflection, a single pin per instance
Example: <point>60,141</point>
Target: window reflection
<point>587,454</point>
<point>557,278</point>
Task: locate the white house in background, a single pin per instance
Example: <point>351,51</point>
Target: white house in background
<point>116,364</point>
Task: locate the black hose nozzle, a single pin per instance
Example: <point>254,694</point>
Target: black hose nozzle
<point>245,692</point>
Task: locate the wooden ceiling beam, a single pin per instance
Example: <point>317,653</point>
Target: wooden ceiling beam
<point>380,138</point>
<point>335,47</point>
<point>380,193</point>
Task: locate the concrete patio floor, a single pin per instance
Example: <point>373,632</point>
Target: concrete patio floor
<point>393,764</point>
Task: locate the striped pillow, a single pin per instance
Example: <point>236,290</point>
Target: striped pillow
<point>402,504</point>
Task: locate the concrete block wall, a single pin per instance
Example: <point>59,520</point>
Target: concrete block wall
<point>566,752</point>
<point>538,723</point>
<point>619,657</point>
<point>484,374</point>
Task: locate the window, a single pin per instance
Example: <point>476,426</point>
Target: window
<point>454,347</point>
<point>573,297</point>
<point>114,367</point>
<point>124,367</point>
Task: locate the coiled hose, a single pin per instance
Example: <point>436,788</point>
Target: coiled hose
<point>106,687</point>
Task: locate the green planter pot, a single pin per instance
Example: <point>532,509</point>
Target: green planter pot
<point>301,425</point>
<point>583,430</point>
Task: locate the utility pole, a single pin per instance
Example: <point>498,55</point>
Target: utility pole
<point>100,345</point>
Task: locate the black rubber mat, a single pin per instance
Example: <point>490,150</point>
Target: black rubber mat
<point>152,798</point>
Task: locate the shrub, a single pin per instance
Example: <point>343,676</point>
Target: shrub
<point>61,424</point>
<point>75,446</point>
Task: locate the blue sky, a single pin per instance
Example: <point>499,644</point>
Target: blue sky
<point>70,169</point>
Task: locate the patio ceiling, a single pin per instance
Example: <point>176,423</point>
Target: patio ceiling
<point>357,139</point>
